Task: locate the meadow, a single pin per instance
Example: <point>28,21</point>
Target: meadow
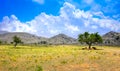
<point>59,58</point>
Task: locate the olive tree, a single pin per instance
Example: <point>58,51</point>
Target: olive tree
<point>90,39</point>
<point>16,40</point>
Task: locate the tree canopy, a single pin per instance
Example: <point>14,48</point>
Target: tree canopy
<point>16,40</point>
<point>90,39</point>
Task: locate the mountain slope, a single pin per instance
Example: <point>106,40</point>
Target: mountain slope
<point>3,32</point>
<point>30,38</point>
<point>62,39</point>
<point>111,38</point>
<point>25,37</point>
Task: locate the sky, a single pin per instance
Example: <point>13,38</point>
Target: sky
<point>51,17</point>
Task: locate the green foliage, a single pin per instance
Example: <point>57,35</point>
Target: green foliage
<point>64,62</point>
<point>0,42</point>
<point>43,42</point>
<point>90,38</point>
<point>39,68</point>
<point>16,40</point>
<point>11,42</point>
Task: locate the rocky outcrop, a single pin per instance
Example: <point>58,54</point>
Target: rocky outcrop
<point>111,38</point>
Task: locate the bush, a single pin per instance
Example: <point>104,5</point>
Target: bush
<point>39,68</point>
<point>0,42</point>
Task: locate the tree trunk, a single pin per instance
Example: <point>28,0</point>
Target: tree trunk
<point>89,46</point>
<point>15,45</point>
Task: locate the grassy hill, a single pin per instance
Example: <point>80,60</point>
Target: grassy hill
<point>59,58</point>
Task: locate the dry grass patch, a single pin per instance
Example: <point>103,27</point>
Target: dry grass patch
<point>59,58</point>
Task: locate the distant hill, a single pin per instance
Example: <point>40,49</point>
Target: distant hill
<point>111,38</point>
<point>3,32</point>
<point>62,39</point>
<point>30,38</point>
<point>25,37</point>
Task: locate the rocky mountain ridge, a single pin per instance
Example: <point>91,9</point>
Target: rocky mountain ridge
<point>62,39</point>
<point>110,38</point>
<point>25,37</point>
<point>31,39</point>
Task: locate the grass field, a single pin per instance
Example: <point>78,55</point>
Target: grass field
<point>59,58</point>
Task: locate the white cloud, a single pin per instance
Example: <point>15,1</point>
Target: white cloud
<point>54,32</point>
<point>39,1</point>
<point>71,28</point>
<point>12,24</point>
<point>81,14</point>
<point>107,23</point>
<point>71,21</point>
<point>94,27</point>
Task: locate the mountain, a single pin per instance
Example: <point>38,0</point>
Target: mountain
<point>111,38</point>
<point>3,32</point>
<point>25,37</point>
<point>62,39</point>
<point>30,38</point>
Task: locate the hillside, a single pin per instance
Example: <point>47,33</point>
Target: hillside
<point>25,37</point>
<point>3,32</point>
<point>62,39</point>
<point>111,38</point>
<point>30,38</point>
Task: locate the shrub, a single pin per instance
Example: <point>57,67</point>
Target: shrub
<point>39,68</point>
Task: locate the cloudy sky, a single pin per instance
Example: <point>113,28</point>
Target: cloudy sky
<point>50,17</point>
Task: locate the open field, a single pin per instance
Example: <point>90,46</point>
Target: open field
<point>59,58</point>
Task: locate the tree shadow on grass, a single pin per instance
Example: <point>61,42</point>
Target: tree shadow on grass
<point>93,48</point>
<point>20,47</point>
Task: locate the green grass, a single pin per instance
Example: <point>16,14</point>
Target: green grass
<point>59,58</point>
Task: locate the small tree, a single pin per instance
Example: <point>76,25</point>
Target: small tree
<point>43,42</point>
<point>0,42</point>
<point>90,39</point>
<point>16,40</point>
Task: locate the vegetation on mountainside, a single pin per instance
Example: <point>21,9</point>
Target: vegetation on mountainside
<point>16,40</point>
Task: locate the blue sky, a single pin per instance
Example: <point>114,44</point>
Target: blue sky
<point>51,17</point>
